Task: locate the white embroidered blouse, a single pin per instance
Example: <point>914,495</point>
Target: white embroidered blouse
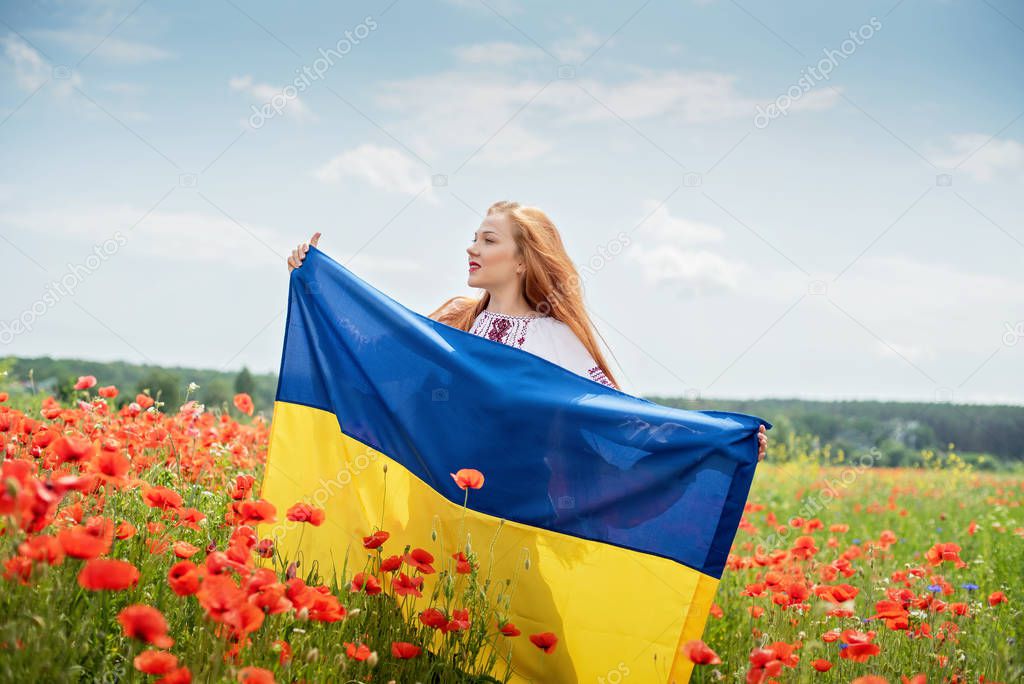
<point>543,335</point>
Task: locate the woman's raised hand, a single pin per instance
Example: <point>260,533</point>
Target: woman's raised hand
<point>762,443</point>
<point>299,253</point>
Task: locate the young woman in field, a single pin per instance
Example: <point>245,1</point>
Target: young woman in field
<point>532,298</point>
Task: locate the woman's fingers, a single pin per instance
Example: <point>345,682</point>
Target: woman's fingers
<point>299,253</point>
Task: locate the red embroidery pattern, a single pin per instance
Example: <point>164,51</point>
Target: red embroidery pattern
<point>597,374</point>
<point>510,330</point>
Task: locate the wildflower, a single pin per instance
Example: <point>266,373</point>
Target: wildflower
<point>376,540</point>
<point>85,382</point>
<point>391,563</point>
<point>87,541</point>
<point>155,662</point>
<point>945,552</point>
<point>997,597</point>
<point>700,653</point>
<point>821,665</point>
<point>545,641</point>
<point>510,630</point>
<point>468,478</point>
<point>366,582</point>
<point>360,652</point>
<point>421,560</point>
<point>108,574</point>
<point>463,565</point>
<point>302,512</point>
<point>404,585</point>
<point>243,402</point>
<point>145,623</point>
<point>255,675</point>
<point>404,650</point>
<point>433,618</point>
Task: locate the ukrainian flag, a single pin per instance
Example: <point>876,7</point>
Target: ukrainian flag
<point>626,509</point>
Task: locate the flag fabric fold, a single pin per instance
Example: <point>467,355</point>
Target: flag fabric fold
<point>624,509</point>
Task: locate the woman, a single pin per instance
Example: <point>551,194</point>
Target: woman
<point>532,299</point>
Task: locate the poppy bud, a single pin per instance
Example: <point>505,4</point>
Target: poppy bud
<point>385,468</point>
<point>372,659</point>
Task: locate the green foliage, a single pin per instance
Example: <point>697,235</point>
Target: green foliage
<point>900,430</point>
<point>47,375</point>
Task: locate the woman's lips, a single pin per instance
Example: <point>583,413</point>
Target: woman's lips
<point>473,266</point>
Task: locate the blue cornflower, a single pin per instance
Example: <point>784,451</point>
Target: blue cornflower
<point>856,541</point>
<point>934,587</point>
<point>969,586</point>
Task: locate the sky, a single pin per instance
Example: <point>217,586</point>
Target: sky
<point>765,199</point>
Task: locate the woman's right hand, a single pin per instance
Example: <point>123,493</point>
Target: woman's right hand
<point>299,253</point>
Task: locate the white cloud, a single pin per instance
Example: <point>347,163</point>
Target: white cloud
<point>111,48</point>
<point>499,53</point>
<point>386,168</point>
<point>678,231</point>
<point>266,94</point>
<point>984,157</point>
<point>665,249</point>
<point>579,47</point>
<point>499,6</point>
<point>163,234</point>
<point>31,71</point>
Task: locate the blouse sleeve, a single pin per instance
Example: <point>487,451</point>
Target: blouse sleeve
<point>567,350</point>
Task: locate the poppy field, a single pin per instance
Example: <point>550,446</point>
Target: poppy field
<point>129,553</point>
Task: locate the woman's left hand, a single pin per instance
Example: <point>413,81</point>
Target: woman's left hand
<point>762,443</point>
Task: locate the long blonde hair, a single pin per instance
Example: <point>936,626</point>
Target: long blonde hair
<point>551,286</point>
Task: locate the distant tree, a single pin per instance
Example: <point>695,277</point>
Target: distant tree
<point>164,386</point>
<point>216,392</point>
<point>244,381</point>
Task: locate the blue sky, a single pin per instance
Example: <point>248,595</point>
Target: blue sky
<point>770,199</point>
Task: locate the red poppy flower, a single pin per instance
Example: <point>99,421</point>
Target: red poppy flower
<point>546,641</point>
<point>509,629</point>
<point>255,675</point>
<point>155,662</point>
<point>375,540</point>
<point>108,574</point>
<point>243,402</point>
<point>421,560</point>
<point>183,577</point>
<point>87,541</point>
<point>404,650</point>
<point>997,597</point>
<point>108,392</point>
<point>700,653</point>
<point>360,652</point>
<point>463,566</point>
<point>259,511</point>
<point>366,582</point>
<point>468,478</point>
<point>391,563</point>
<point>85,382</point>
<point>182,549</point>
<point>161,497</point>
<point>146,624</point>
<point>405,585</point>
<point>434,618</point>
<point>821,665</point>
<point>943,552</point>
<point>73,448</point>
<point>304,513</point>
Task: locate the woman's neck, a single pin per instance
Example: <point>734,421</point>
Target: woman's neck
<point>510,304</point>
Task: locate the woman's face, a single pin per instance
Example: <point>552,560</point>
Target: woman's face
<point>492,253</point>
